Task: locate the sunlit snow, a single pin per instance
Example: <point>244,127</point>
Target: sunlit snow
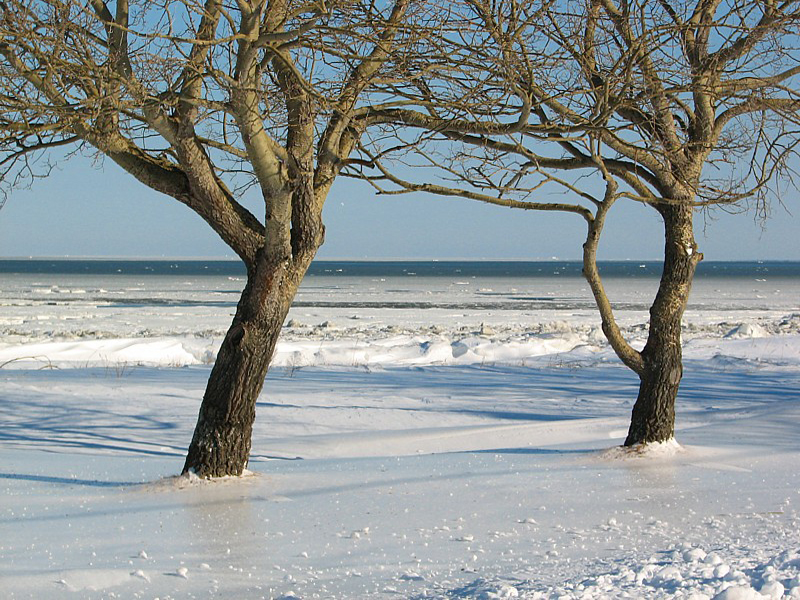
<point>453,449</point>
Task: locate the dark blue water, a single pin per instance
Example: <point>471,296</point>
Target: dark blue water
<point>511,269</point>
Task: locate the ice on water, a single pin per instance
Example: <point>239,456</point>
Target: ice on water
<point>363,320</point>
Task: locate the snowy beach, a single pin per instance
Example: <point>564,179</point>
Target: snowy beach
<point>420,436</point>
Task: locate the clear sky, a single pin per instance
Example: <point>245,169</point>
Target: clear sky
<point>82,210</point>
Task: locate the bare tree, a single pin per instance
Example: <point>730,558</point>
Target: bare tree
<point>202,100</point>
<point>679,106</point>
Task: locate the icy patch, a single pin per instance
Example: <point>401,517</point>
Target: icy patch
<point>93,579</point>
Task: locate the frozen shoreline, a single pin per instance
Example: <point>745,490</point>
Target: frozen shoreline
<point>398,452</point>
<point>93,320</point>
<point>356,347</point>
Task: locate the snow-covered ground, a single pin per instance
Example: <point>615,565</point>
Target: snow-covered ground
<point>446,446</point>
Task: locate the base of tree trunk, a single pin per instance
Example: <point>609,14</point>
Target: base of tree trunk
<point>219,451</point>
<point>653,416</point>
<point>222,437</point>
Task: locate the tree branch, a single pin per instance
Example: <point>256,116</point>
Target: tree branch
<point>438,190</point>
<point>626,353</point>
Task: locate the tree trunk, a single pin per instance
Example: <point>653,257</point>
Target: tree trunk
<point>653,418</point>
<point>222,438</point>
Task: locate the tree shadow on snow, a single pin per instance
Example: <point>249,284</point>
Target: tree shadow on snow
<point>68,480</point>
<point>534,451</point>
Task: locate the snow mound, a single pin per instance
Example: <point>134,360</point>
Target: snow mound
<point>747,330</point>
<point>665,449</point>
<point>294,353</point>
<point>746,348</point>
<point>99,353</point>
<point>412,349</point>
<point>709,579</point>
<point>191,480</point>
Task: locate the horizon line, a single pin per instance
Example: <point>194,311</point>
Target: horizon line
<point>367,259</point>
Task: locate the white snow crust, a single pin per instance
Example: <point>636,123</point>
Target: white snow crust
<point>437,452</point>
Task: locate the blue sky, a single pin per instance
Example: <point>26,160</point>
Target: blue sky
<point>82,210</point>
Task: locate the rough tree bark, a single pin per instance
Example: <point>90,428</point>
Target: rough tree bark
<point>222,438</point>
<point>653,416</point>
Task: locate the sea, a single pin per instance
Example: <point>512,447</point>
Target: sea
<point>394,268</point>
<point>69,299</point>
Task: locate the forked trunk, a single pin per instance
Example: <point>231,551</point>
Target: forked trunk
<point>653,418</point>
<point>222,438</point>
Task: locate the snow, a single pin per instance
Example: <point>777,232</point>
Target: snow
<point>431,454</point>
